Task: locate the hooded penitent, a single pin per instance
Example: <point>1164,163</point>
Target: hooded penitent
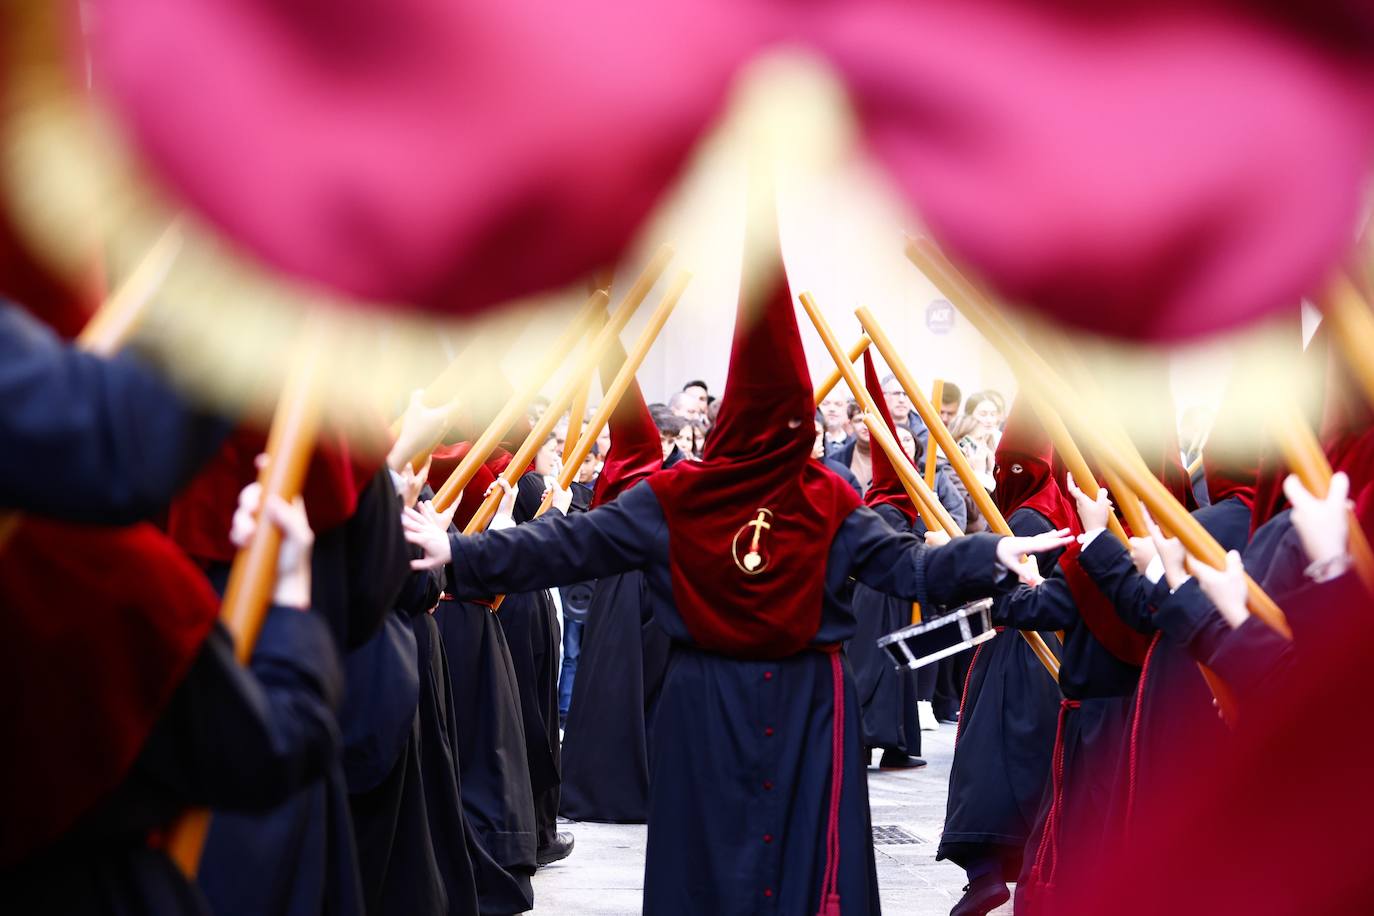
<point>199,519</point>
<point>1025,479</point>
<point>751,523</point>
<point>86,680</point>
<point>1025,470</point>
<point>635,452</point>
<point>886,488</point>
<point>444,461</point>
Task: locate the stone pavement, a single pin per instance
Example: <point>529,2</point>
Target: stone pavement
<point>605,873</point>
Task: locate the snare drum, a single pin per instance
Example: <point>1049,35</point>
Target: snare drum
<point>931,640</point>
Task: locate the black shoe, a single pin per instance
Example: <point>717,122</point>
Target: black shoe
<point>982,897</point>
<point>560,848</point>
<point>951,718</point>
<point>896,760</point>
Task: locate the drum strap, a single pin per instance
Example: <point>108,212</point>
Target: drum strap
<point>830,884</point>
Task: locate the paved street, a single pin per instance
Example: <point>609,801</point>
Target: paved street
<point>605,873</point>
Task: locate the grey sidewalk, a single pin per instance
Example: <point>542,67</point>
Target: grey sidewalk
<point>605,873</point>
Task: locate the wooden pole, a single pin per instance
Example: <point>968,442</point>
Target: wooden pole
<point>929,507</point>
<point>1127,502</point>
<point>939,433</point>
<point>933,513</point>
<point>577,415</point>
<point>935,427</point>
<point>487,442</point>
<point>1304,456</point>
<point>290,441</point>
<point>586,363</point>
<point>619,385</point>
<point>583,323</point>
<point>444,390</point>
<point>1064,444</point>
<point>1044,381</point>
<point>115,321</point>
<point>937,393</point>
<point>824,388</point>
<point>119,316</point>
<point>1352,327</point>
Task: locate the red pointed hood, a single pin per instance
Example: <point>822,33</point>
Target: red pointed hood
<point>886,488</point>
<point>1025,469</point>
<point>751,523</point>
<point>1272,469</point>
<point>100,627</point>
<point>445,461</point>
<point>199,518</point>
<point>1230,461</point>
<point>636,452</point>
<point>1348,436</point>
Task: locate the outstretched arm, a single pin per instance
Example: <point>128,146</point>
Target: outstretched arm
<point>91,439</point>
<point>559,550</point>
<point>967,568</point>
<point>1133,595</point>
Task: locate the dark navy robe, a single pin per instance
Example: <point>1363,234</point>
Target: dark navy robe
<point>945,490</point>
<point>1172,713</point>
<point>88,438</point>
<point>741,755</point>
<point>382,762</point>
<point>229,738</point>
<point>530,621</point>
<point>887,695</point>
<point>301,857</point>
<point>1094,717</point>
<point>610,724</point>
<point>1004,741</point>
<point>1253,656</point>
<point>489,741</point>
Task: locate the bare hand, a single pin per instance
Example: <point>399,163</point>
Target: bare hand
<point>1226,588</point>
<point>1171,553</point>
<point>936,538</point>
<point>1323,525</point>
<point>506,508</point>
<point>1014,553</point>
<point>1142,553</point>
<point>427,529</point>
<point>562,496</point>
<point>411,483</point>
<point>293,557</point>
<point>1092,512</point>
<point>421,429</point>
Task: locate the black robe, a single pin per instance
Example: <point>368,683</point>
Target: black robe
<point>1172,714</point>
<point>532,632</point>
<point>382,762</point>
<point>742,749</point>
<point>88,438</point>
<point>887,694</point>
<point>1004,740</point>
<point>473,881</point>
<point>301,857</point>
<point>489,737</point>
<point>610,724</point>
<point>1091,734</point>
<point>230,738</point>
